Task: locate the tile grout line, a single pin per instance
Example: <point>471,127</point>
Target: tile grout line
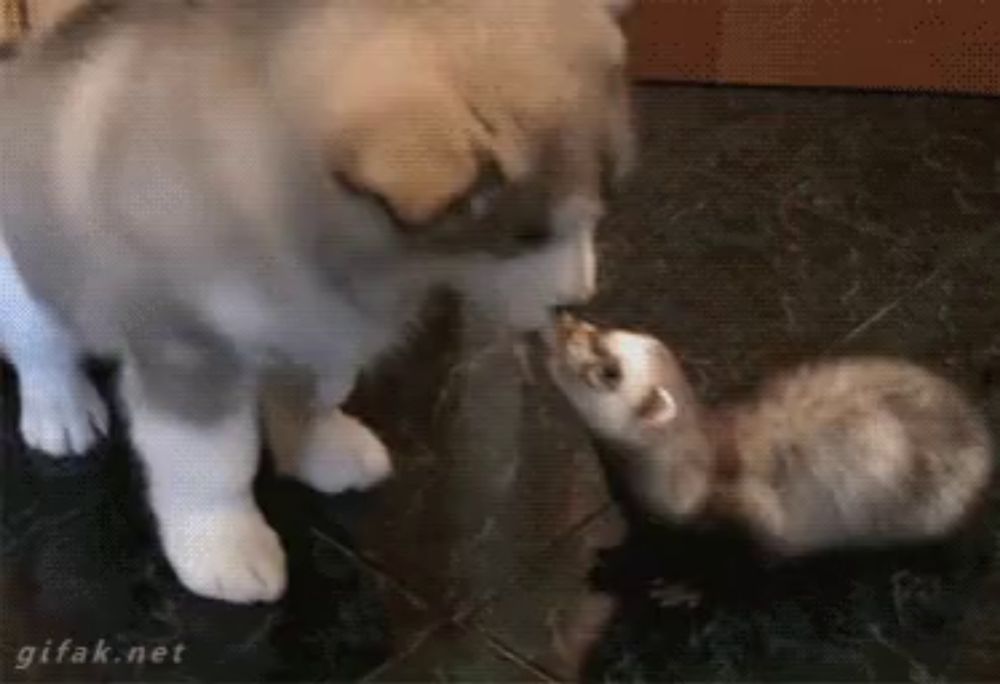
<point>439,616</point>
<point>377,568</point>
<point>511,654</point>
<point>466,611</point>
<point>434,622</point>
<point>410,649</point>
<point>461,617</point>
<point>496,648</point>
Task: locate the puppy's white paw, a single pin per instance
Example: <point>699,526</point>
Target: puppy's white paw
<point>229,555</point>
<point>61,416</point>
<point>342,454</point>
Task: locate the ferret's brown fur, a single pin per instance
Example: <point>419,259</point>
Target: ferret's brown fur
<point>858,451</point>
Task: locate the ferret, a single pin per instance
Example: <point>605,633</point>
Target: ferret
<point>839,453</point>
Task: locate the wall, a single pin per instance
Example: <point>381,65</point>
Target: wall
<point>10,20</point>
<point>43,13</point>
<point>951,45</point>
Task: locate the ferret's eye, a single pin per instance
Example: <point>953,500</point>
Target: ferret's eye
<point>611,374</point>
<point>606,375</point>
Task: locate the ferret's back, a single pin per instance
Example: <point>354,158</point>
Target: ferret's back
<point>833,392</point>
<point>866,450</point>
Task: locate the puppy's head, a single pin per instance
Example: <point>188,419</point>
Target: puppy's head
<point>481,121</point>
<point>622,384</point>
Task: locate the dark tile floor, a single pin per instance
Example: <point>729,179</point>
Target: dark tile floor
<point>764,227</point>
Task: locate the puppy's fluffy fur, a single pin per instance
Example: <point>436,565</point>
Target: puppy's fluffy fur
<point>211,190</point>
<point>845,452</point>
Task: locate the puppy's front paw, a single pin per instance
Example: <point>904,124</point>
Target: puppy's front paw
<point>61,416</point>
<point>342,454</point>
<point>229,555</point>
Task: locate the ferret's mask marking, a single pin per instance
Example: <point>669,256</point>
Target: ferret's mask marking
<point>610,377</point>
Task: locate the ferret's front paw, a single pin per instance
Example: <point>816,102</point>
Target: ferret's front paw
<point>229,555</point>
<point>62,416</point>
<point>342,454</point>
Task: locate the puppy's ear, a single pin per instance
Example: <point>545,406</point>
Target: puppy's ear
<point>414,160</point>
<point>405,136</point>
<point>658,408</point>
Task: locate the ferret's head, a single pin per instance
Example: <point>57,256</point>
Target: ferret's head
<point>623,384</point>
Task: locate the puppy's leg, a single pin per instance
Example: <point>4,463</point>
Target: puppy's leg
<point>199,470</point>
<point>61,412</point>
<point>313,440</point>
<point>341,453</point>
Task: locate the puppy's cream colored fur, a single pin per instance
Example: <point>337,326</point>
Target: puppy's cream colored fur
<point>214,190</point>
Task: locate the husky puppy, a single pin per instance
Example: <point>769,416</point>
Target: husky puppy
<point>210,191</point>
<point>840,453</point>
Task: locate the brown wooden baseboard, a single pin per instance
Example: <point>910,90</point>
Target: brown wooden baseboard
<point>949,45</point>
<point>11,20</point>
<point>44,13</point>
<point>942,45</point>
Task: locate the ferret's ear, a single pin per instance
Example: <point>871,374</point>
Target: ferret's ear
<point>658,408</point>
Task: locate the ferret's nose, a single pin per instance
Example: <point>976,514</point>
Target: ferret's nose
<point>556,335</point>
<point>566,323</point>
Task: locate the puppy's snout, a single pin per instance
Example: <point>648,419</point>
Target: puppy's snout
<point>573,297</point>
<point>578,271</point>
